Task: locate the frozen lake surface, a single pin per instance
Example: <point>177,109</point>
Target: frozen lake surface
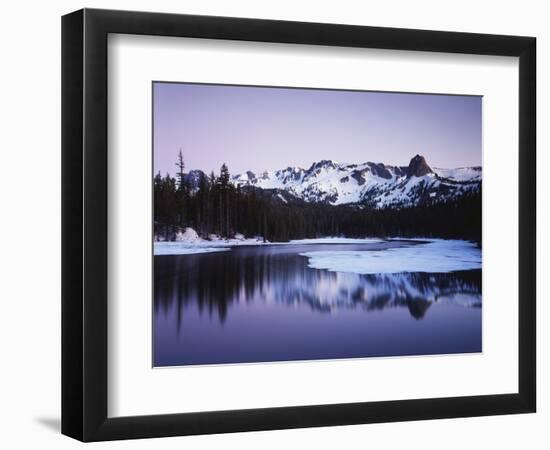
<point>433,256</point>
<point>315,300</point>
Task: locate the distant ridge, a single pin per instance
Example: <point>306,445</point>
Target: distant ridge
<point>369,184</point>
<point>372,184</point>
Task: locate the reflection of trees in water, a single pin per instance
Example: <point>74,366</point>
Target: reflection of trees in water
<point>217,281</point>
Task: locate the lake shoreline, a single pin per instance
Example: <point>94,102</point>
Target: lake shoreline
<point>367,256</point>
<point>164,248</point>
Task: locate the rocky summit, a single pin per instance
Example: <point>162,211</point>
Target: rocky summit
<point>418,167</point>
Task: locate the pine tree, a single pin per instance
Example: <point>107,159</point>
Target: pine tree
<point>180,176</point>
<point>224,177</point>
<point>214,202</point>
<point>224,186</point>
<point>182,193</point>
<point>203,204</point>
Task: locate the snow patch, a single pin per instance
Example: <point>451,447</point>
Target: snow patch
<point>189,242</point>
<point>284,200</point>
<point>435,256</point>
<point>460,173</point>
<point>176,248</point>
<point>188,235</point>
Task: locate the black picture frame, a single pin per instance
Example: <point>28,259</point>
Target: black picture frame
<point>84,224</point>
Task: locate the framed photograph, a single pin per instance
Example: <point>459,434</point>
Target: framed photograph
<point>273,224</point>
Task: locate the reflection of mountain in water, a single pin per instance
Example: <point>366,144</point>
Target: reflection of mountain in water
<point>218,281</point>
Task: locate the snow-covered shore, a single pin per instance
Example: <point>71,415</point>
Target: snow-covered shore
<point>178,248</point>
<point>221,245</point>
<point>434,256</point>
<point>425,255</point>
<point>199,245</point>
<point>189,242</point>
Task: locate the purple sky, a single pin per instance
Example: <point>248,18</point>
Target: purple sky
<point>257,128</point>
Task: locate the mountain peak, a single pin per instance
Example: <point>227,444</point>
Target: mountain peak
<point>369,184</point>
<point>324,163</point>
<point>418,167</point>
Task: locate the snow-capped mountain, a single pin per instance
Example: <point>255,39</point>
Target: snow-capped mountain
<point>373,184</point>
<point>192,178</point>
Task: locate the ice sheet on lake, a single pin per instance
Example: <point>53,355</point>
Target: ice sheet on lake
<point>336,240</point>
<point>435,256</point>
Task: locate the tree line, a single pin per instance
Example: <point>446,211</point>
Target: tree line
<point>214,205</point>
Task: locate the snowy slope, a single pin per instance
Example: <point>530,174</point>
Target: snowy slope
<point>460,174</point>
<point>373,184</point>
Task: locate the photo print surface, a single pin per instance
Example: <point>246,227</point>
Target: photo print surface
<point>314,224</point>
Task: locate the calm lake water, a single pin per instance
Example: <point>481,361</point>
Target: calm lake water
<point>263,303</point>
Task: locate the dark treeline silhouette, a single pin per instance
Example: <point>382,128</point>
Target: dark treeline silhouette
<point>213,205</point>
